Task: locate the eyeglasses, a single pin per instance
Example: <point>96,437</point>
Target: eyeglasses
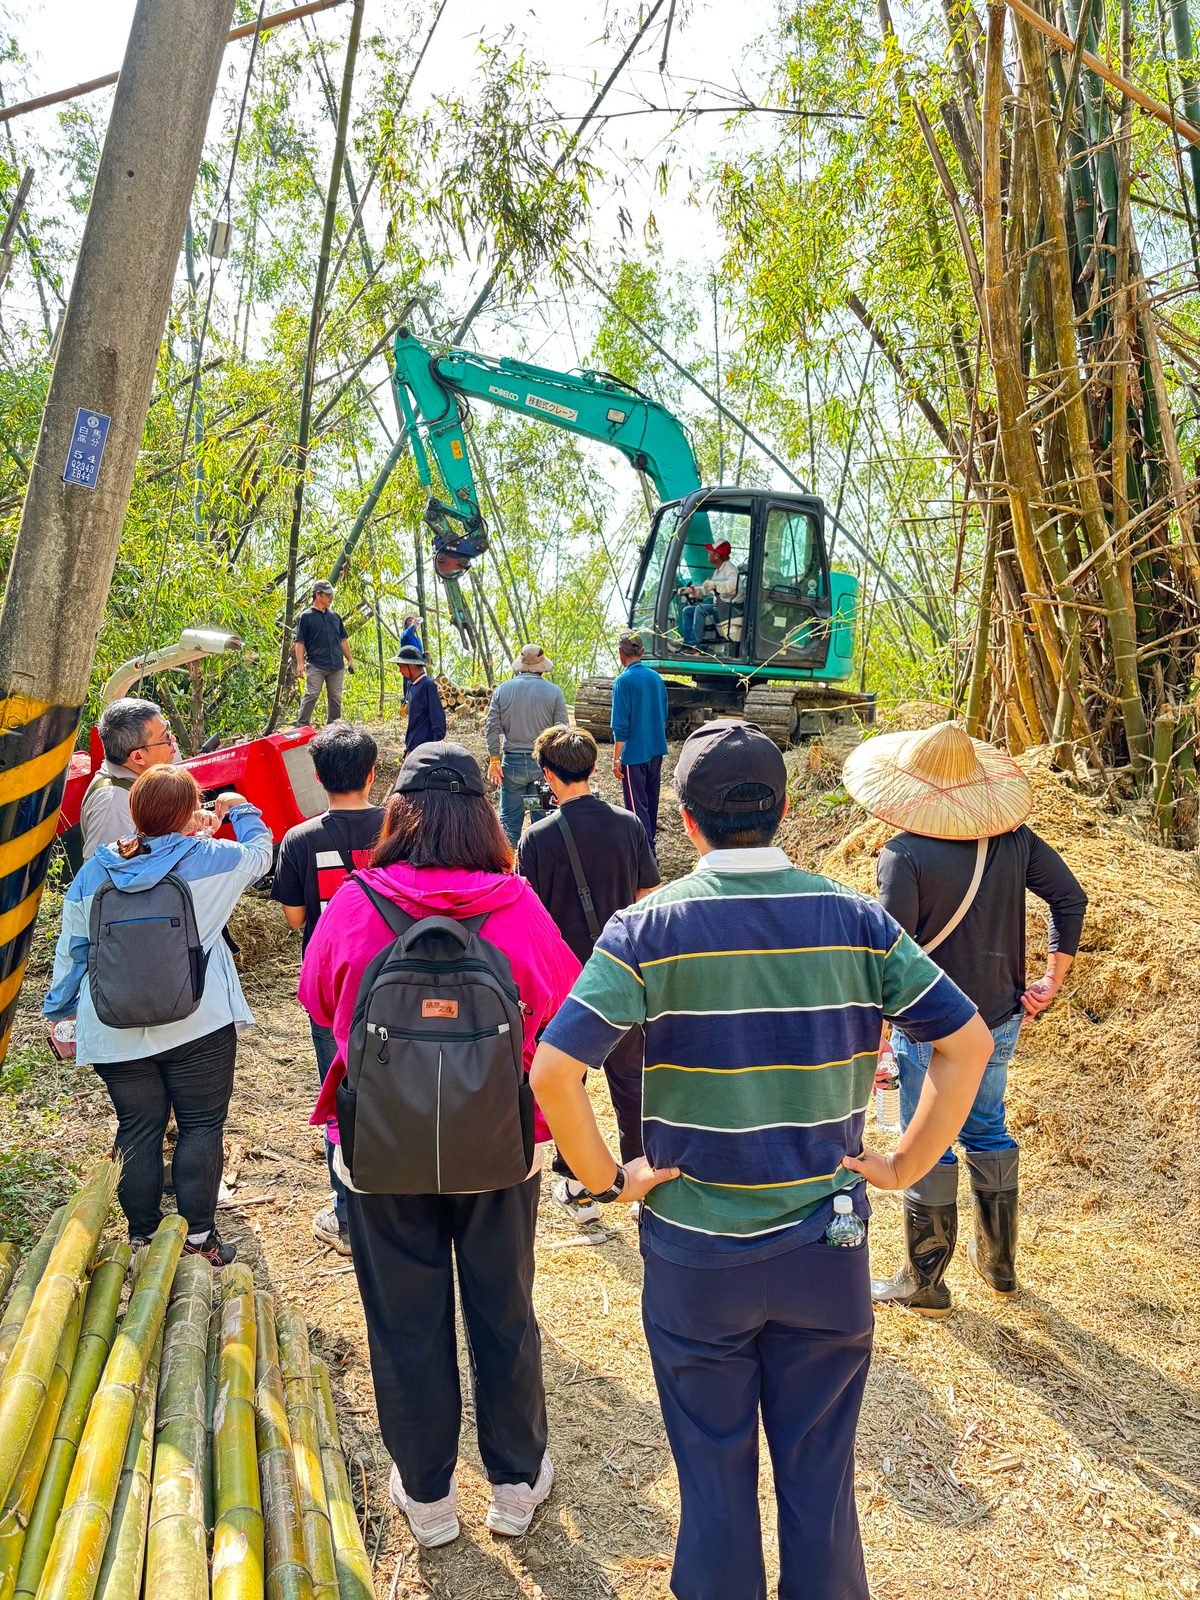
<point>170,739</point>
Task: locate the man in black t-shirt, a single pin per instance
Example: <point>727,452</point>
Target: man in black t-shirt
<point>315,859</point>
<point>322,655</point>
<point>619,867</point>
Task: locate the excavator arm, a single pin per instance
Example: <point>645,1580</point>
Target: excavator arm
<point>434,391</point>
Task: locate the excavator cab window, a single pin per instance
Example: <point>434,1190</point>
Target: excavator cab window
<point>793,596</point>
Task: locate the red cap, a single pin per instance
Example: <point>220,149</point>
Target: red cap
<point>724,549</point>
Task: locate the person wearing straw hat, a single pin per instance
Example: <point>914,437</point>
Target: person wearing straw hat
<point>518,711</point>
<point>955,878</point>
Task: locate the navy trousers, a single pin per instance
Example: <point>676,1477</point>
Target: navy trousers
<point>640,785</point>
<point>788,1339</point>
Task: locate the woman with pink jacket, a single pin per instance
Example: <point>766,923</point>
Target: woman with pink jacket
<point>442,852</point>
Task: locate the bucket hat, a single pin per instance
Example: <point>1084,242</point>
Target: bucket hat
<point>532,659</point>
<point>940,783</point>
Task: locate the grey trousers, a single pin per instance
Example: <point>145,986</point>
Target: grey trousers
<point>314,677</point>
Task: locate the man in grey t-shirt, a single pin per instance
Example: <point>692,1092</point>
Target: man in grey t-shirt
<point>135,735</point>
<point>521,709</point>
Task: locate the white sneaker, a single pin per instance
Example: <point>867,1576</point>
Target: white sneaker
<point>513,1504</point>
<point>575,1201</point>
<point>433,1522</point>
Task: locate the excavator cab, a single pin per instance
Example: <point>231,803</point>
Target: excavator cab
<point>781,616</point>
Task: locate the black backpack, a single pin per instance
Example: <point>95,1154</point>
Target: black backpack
<point>146,965</point>
<point>435,1099</point>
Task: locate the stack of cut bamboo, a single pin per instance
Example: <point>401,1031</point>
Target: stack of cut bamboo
<point>132,1446</point>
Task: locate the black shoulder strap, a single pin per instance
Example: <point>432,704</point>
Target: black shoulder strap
<point>332,833</point>
<point>399,920</point>
<point>581,883</point>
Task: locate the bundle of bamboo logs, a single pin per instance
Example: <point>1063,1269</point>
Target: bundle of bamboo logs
<point>132,1446</point>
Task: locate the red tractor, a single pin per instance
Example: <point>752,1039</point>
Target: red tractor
<point>275,771</point>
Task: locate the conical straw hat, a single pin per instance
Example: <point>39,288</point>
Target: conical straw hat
<point>939,782</point>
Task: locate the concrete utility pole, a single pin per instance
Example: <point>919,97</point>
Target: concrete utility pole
<point>91,432</point>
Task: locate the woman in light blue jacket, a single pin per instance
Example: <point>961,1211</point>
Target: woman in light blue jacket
<point>186,1065</point>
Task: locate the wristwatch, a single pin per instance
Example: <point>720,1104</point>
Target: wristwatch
<point>613,1192</point>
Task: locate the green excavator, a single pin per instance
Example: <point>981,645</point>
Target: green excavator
<point>777,651</point>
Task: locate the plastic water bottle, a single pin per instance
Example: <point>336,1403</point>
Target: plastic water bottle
<point>887,1094</point>
<point>845,1228</point>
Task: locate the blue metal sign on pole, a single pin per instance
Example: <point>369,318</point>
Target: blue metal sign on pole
<point>87,449</point>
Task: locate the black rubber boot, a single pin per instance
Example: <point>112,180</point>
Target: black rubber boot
<point>930,1233</point>
<point>993,1249</point>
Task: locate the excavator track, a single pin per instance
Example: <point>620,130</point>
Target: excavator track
<point>789,714</point>
<point>593,708</point>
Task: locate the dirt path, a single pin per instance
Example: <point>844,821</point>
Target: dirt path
<point>1046,1447</point>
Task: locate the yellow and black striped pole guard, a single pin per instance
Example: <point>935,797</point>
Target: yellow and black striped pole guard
<point>36,741</point>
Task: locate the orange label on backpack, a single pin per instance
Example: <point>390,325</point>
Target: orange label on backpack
<point>439,1008</point>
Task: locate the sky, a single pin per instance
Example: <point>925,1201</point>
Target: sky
<point>713,49</point>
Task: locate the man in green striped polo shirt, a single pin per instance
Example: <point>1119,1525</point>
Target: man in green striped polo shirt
<point>762,990</point>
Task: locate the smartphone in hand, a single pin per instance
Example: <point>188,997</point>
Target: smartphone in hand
<point>61,1039</point>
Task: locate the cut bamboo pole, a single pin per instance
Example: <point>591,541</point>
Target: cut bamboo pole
<point>14,1523</point>
<point>95,1341</point>
<point>355,1581</point>
<point>23,1388</point>
<point>288,1577</point>
<point>212,1359</point>
<point>10,1260</point>
<point>237,1559</point>
<point>125,1553</point>
<point>295,1363</point>
<point>27,1281</point>
<point>73,1564</point>
<point>177,1543</point>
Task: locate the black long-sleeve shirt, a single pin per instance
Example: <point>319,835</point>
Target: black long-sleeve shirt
<point>426,718</point>
<point>922,883</point>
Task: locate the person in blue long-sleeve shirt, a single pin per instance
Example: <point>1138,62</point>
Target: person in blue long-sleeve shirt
<point>410,637</point>
<point>639,726</point>
<point>426,716</point>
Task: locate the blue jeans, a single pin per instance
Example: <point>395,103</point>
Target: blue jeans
<point>985,1127</point>
<point>518,772</point>
<point>694,617</point>
<point>325,1048</point>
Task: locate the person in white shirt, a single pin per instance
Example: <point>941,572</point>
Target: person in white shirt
<point>723,584</point>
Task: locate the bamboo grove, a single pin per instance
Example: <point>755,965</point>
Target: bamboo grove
<point>185,1447</point>
<point>1020,249</point>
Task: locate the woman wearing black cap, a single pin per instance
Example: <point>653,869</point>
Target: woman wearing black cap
<point>443,853</point>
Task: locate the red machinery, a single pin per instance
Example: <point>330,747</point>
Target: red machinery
<point>275,772</point>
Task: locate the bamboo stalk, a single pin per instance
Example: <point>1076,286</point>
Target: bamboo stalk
<point>296,1364</point>
<point>355,1581</point>
<point>14,1523</point>
<point>73,1563</point>
<point>237,1560</point>
<point>1164,741</point>
<point>125,1553</point>
<point>176,1542</point>
<point>10,1260</point>
<point>95,1341</point>
<point>23,1389</point>
<point>26,1283</point>
<point>288,1577</point>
